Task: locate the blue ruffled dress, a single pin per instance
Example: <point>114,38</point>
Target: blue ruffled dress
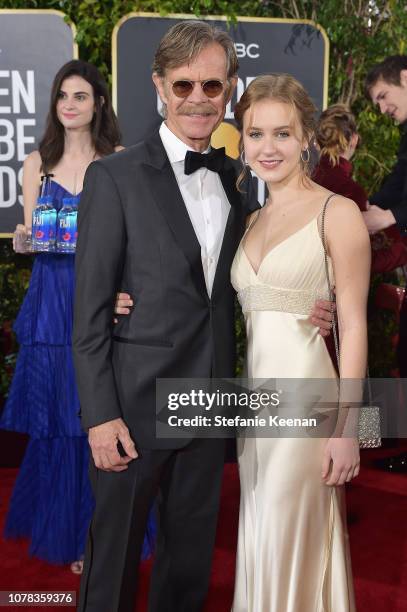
<point>52,501</point>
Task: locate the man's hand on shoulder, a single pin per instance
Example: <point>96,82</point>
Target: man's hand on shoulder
<point>103,440</point>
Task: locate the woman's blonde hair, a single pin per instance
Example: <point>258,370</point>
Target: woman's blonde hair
<point>335,128</point>
<point>281,88</point>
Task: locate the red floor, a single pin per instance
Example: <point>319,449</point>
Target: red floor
<point>377,514</point>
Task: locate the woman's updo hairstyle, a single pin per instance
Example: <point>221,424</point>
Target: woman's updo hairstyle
<point>335,128</point>
<point>280,88</point>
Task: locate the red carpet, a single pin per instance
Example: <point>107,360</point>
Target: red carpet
<point>377,511</point>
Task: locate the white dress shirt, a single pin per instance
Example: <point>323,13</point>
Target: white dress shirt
<point>205,200</point>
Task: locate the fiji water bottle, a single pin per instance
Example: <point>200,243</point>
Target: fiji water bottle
<point>44,225</point>
<point>67,231</point>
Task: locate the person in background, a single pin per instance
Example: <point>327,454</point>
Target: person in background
<point>386,86</point>
<point>337,138</point>
<point>52,500</point>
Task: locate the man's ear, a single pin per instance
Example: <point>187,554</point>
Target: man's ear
<point>159,85</point>
<point>403,77</point>
<point>231,88</point>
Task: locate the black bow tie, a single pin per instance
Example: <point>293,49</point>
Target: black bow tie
<point>213,160</point>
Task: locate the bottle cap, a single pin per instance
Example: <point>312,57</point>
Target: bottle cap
<point>67,201</point>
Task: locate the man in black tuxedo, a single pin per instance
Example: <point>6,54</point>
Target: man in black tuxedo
<point>162,220</point>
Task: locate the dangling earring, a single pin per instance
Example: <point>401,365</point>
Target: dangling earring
<point>243,159</point>
<point>305,161</point>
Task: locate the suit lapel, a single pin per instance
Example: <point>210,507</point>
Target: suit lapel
<point>168,198</point>
<point>231,235</point>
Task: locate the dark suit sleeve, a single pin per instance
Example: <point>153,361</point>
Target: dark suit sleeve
<point>249,190</point>
<point>400,214</point>
<point>393,193</point>
<point>98,267</point>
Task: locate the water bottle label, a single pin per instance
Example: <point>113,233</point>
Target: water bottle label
<point>64,222</point>
<point>67,232</point>
<point>43,230</point>
<point>44,225</point>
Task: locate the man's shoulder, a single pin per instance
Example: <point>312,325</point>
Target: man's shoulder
<point>148,150</point>
<point>135,154</point>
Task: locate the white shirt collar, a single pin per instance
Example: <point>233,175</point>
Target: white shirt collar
<point>175,148</point>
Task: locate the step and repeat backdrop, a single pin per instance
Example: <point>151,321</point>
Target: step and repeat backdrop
<point>262,45</point>
<point>35,44</point>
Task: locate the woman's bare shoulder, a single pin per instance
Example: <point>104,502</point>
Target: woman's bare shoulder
<point>341,209</point>
<point>33,161</point>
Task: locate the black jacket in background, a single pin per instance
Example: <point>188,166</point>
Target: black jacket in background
<point>393,193</point>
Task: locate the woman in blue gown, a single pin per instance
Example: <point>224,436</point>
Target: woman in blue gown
<point>52,500</point>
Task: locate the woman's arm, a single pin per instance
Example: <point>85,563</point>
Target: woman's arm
<point>348,245</point>
<point>31,185</point>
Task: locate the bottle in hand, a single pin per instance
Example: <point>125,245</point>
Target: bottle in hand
<point>67,226</point>
<point>44,225</point>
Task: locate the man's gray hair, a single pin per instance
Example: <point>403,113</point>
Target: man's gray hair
<point>185,41</point>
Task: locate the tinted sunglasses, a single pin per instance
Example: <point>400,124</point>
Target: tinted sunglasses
<point>211,87</point>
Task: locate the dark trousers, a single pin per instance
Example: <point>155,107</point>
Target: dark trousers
<point>187,482</point>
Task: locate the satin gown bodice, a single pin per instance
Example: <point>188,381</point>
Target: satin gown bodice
<point>277,301</point>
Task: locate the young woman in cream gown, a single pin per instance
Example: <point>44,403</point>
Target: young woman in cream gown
<point>293,553</point>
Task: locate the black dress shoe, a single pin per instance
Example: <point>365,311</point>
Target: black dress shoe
<point>397,464</point>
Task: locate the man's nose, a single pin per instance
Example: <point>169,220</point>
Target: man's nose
<point>197,94</point>
<point>382,106</point>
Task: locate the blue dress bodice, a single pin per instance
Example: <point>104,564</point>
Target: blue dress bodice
<point>50,295</point>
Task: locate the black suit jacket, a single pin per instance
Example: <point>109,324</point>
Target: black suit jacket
<point>135,235</point>
<point>393,193</point>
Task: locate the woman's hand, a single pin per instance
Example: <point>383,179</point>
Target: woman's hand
<point>20,239</point>
<point>123,304</point>
<point>341,461</point>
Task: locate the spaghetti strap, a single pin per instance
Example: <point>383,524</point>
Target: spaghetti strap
<point>322,215</point>
<point>331,195</point>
